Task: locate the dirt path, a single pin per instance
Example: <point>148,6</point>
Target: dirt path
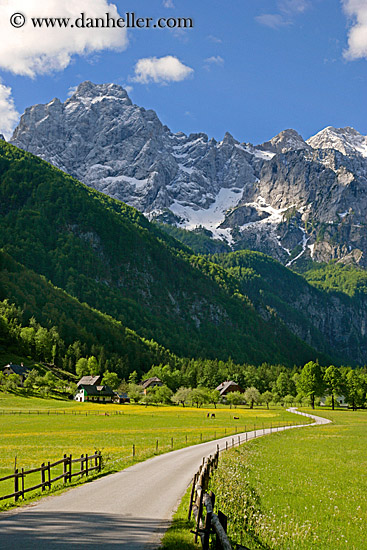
<point>129,510</point>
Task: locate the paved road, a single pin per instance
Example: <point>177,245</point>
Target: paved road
<point>129,510</point>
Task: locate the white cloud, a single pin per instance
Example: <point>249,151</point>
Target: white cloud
<point>214,39</point>
<point>31,51</point>
<point>214,60</point>
<point>272,20</point>
<point>163,69</point>
<point>356,10</point>
<point>8,113</point>
<point>168,4</point>
<point>288,9</point>
<point>72,90</point>
<point>293,6</point>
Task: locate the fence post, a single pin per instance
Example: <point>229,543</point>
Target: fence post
<point>70,468</point>
<point>23,483</point>
<point>171,442</point>
<point>192,495</point>
<point>156,446</point>
<point>223,521</point>
<point>43,477</point>
<point>81,464</point>
<point>200,513</point>
<point>16,484</point>
<point>49,474</point>
<point>86,464</point>
<point>64,464</point>
<point>133,451</point>
<point>207,525</point>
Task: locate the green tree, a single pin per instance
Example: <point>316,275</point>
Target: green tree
<point>266,397</point>
<point>163,394</point>
<point>198,397</point>
<point>285,385</point>
<point>12,382</point>
<point>135,392</point>
<point>333,382</point>
<point>252,396</point>
<point>133,377</point>
<point>93,366</point>
<point>214,397</point>
<point>111,379</point>
<point>354,389</point>
<point>30,380</point>
<point>310,381</point>
<point>81,367</point>
<point>182,396</point>
<point>234,398</point>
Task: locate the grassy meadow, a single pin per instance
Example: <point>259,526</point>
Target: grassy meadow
<point>39,430</point>
<point>300,489</point>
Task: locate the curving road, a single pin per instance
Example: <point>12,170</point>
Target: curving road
<point>129,510</point>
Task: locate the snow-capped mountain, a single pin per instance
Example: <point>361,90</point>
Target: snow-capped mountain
<point>346,140</point>
<point>289,198</point>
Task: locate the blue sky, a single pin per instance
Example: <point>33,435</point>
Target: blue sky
<point>250,67</point>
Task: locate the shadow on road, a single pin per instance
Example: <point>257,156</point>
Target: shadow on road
<point>58,531</point>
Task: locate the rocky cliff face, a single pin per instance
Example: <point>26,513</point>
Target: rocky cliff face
<point>288,198</point>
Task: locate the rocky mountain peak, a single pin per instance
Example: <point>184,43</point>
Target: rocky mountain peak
<point>287,140</point>
<point>346,140</point>
<point>89,91</point>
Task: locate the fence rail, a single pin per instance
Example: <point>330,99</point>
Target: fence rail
<point>88,464</point>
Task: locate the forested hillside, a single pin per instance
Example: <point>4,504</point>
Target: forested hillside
<point>106,254</point>
<point>327,307</point>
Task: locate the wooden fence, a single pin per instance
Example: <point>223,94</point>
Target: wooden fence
<point>88,464</point>
<point>200,499</point>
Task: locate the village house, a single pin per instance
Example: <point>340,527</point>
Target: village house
<point>226,387</point>
<point>95,394</point>
<point>151,383</point>
<point>20,370</point>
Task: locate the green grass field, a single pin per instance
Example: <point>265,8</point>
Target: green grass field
<point>38,430</point>
<point>301,489</point>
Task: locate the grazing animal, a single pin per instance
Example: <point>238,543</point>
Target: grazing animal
<point>236,417</point>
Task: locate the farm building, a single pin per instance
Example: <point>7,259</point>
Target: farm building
<point>96,394</point>
<point>20,370</point>
<point>121,398</point>
<point>227,387</point>
<point>151,383</point>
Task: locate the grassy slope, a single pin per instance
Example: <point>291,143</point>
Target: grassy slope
<point>108,255</point>
<point>311,483</point>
